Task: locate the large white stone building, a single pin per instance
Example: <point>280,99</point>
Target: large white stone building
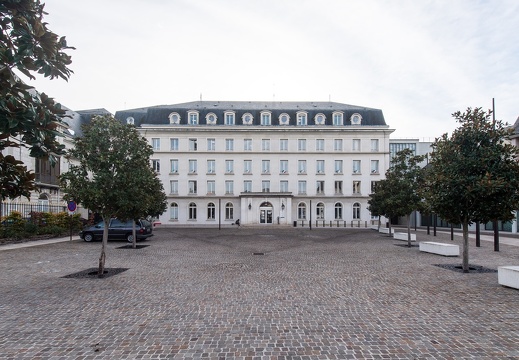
<point>268,163</point>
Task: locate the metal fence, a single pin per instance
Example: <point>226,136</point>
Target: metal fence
<point>334,223</point>
<point>26,208</point>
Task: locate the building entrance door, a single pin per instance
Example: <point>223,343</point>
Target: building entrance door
<point>266,213</point>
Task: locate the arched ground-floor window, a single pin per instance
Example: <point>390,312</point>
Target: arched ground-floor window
<point>301,211</point>
<point>356,211</point>
<point>173,211</point>
<point>320,210</point>
<point>229,211</point>
<point>338,211</point>
<point>211,211</point>
<point>192,211</point>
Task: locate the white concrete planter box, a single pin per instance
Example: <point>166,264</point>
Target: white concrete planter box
<point>385,230</point>
<point>440,248</point>
<point>508,276</point>
<point>403,236</point>
<point>374,227</point>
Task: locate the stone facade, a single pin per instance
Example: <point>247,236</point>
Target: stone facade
<point>264,163</point>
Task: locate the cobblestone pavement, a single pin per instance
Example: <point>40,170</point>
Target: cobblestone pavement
<point>204,294</point>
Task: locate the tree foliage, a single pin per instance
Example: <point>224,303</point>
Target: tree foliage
<point>474,173</point>
<point>404,181</point>
<point>27,47</point>
<point>377,205</point>
<point>400,193</point>
<point>113,176</point>
<point>148,197</point>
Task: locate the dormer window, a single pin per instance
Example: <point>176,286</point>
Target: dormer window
<point>210,119</point>
<point>337,119</point>
<point>320,119</point>
<point>193,117</point>
<point>174,118</point>
<point>302,118</point>
<point>265,118</point>
<point>247,119</point>
<point>356,119</point>
<point>130,120</point>
<point>229,117</point>
<point>284,119</point>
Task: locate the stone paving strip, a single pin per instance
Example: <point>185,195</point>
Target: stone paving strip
<point>210,294</point>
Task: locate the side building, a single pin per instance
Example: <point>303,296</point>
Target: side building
<point>418,148</point>
<point>47,197</point>
<point>424,147</point>
<point>268,163</point>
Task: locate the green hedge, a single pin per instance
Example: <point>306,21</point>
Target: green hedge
<point>39,223</point>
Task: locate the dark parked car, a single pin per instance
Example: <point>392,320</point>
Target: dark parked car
<point>118,230</point>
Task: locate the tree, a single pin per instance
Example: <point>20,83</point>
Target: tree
<point>405,180</point>
<point>148,198</point>
<point>110,156</point>
<point>376,204</point>
<point>399,194</point>
<point>27,47</point>
<point>473,175</point>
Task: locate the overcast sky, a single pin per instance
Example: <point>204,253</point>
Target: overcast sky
<point>418,61</point>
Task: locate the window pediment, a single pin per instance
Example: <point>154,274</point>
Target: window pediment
<point>210,119</point>
<point>174,118</point>
<point>356,119</point>
<point>284,119</point>
<point>247,119</point>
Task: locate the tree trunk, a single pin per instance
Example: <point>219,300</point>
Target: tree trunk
<point>408,230</point>
<point>101,270</point>
<point>496,235</point>
<point>134,241</point>
<point>465,246</point>
<point>478,235</point>
<point>389,223</point>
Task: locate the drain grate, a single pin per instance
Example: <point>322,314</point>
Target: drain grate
<point>258,253</point>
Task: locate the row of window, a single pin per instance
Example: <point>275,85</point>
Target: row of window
<point>265,144</point>
<point>192,213</point>
<point>394,148</point>
<point>302,118</point>
<point>320,167</point>
<point>192,186</point>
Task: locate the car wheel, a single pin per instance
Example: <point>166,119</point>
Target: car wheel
<point>88,237</point>
<point>129,238</point>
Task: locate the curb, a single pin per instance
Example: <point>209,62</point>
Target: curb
<point>37,243</point>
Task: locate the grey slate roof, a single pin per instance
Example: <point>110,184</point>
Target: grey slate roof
<point>159,115</point>
<point>76,119</point>
<point>516,128</point>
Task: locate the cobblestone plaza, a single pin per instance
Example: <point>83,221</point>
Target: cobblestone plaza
<point>257,293</point>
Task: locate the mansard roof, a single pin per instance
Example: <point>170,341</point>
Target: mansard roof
<point>76,119</point>
<point>516,128</point>
<point>159,115</point>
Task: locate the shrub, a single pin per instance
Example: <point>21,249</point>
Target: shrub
<point>40,223</point>
<point>55,230</point>
<point>8,232</point>
<point>13,221</point>
<point>61,219</point>
<point>48,219</point>
<point>30,228</point>
<point>37,218</point>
